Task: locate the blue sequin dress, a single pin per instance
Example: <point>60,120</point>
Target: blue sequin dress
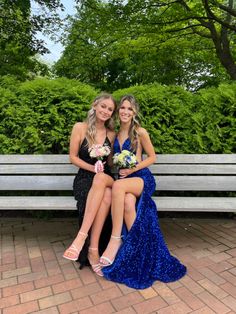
<point>143,257</point>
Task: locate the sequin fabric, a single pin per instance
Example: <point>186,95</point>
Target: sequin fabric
<point>144,257</point>
<point>81,186</point>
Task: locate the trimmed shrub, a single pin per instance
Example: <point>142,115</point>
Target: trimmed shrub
<point>183,122</point>
<point>214,113</point>
<point>39,115</point>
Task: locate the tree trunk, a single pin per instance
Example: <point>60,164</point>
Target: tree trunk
<point>222,47</point>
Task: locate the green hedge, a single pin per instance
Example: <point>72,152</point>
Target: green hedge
<point>37,116</point>
<point>183,122</point>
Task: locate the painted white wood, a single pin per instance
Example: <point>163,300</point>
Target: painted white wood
<point>196,158</point>
<point>37,159</point>
<point>196,183</point>
<point>161,158</point>
<point>38,183</point>
<point>173,173</point>
<point>201,204</point>
<point>193,169</point>
<point>214,204</point>
<point>38,203</point>
<point>156,169</point>
<point>38,169</point>
<point>164,183</point>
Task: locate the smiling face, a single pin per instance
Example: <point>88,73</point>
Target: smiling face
<point>104,109</point>
<point>126,112</point>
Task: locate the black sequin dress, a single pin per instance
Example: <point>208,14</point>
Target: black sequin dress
<point>81,186</point>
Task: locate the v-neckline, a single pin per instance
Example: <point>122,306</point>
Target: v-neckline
<point>121,146</point>
<point>96,143</point>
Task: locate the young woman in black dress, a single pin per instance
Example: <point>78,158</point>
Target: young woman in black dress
<point>92,184</point>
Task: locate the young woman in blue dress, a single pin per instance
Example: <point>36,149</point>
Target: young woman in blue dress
<point>141,256</point>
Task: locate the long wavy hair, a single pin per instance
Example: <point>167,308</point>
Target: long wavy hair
<point>133,130</point>
<point>91,118</point>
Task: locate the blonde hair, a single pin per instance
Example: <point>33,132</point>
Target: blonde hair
<point>133,129</point>
<point>91,118</point>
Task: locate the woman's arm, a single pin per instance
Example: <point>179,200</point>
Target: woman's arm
<point>146,144</point>
<point>148,148</point>
<point>77,136</point>
<point>111,135</point>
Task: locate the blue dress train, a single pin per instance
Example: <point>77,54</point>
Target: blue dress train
<point>143,256</point>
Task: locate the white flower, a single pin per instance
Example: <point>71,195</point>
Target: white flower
<point>99,151</point>
<point>125,159</point>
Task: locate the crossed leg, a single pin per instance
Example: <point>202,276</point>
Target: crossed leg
<point>119,190</point>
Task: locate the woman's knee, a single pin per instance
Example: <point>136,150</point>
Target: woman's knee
<point>100,180</point>
<point>117,188</point>
<point>130,201</point>
<point>107,197</point>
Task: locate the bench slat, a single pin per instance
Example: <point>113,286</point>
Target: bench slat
<point>196,183</point>
<point>156,169</point>
<point>193,169</point>
<point>161,158</point>
<point>38,169</point>
<point>214,204</point>
<point>164,183</point>
<point>38,183</point>
<point>196,158</point>
<point>34,159</point>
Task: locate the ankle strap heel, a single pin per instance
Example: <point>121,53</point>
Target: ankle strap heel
<point>84,235</point>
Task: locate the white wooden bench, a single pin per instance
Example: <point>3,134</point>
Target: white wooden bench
<point>173,173</point>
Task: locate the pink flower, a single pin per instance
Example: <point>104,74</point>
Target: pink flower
<point>99,151</point>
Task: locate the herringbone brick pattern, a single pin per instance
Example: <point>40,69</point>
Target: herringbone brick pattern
<point>36,279</point>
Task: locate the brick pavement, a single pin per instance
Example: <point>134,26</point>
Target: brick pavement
<point>34,278</point>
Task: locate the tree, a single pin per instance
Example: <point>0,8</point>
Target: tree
<point>18,29</point>
<point>118,44</point>
<point>214,20</point>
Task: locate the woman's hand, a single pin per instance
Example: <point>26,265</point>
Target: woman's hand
<point>99,166</point>
<point>125,172</point>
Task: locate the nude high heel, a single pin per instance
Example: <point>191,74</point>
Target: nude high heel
<point>107,260</point>
<point>73,252</point>
<point>96,267</point>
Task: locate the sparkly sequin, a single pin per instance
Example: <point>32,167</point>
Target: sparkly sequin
<point>144,257</point>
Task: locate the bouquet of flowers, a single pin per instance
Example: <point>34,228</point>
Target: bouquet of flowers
<point>125,159</point>
<point>99,151</point>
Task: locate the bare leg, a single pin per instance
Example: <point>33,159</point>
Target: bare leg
<point>130,210</point>
<point>94,200</point>
<point>119,189</point>
<point>97,226</point>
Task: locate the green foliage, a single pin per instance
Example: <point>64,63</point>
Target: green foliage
<point>166,114</point>
<point>118,44</point>
<point>38,116</point>
<point>182,122</point>
<point>19,28</point>
<point>215,117</point>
